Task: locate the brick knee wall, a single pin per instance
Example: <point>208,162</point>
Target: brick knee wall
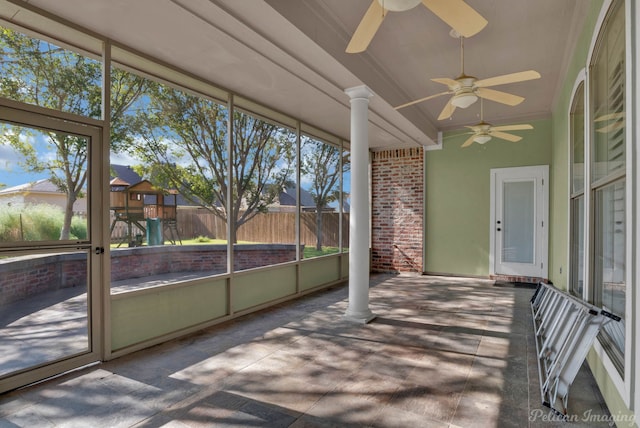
<point>397,210</point>
<point>25,276</point>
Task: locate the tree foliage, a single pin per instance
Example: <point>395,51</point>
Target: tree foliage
<point>183,145</point>
<point>37,72</point>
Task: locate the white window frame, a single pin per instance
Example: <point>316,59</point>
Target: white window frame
<point>581,79</point>
<point>622,383</point>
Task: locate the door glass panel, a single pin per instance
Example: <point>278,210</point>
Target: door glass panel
<point>518,222</point>
<point>43,185</point>
<point>43,308</point>
<point>44,314</point>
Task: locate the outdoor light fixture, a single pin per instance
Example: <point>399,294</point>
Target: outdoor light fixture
<point>464,99</point>
<point>399,5</point>
<point>482,138</point>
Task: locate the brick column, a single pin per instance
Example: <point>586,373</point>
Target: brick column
<point>397,210</point>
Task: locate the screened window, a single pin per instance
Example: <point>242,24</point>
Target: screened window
<point>321,174</point>
<point>37,72</point>
<point>346,199</point>
<point>168,186</point>
<point>577,141</point>
<point>576,206</point>
<point>608,180</point>
<point>576,273</point>
<point>263,198</point>
<point>608,103</point>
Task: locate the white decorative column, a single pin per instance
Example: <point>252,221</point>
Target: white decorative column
<point>359,214</point>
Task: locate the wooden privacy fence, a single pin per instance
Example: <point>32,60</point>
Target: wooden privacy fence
<point>272,227</point>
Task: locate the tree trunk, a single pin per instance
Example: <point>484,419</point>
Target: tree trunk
<point>68,215</point>
<point>319,229</point>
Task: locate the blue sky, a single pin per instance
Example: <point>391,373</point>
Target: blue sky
<point>11,174</point>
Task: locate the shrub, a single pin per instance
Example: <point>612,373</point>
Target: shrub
<point>78,228</point>
<point>9,225</point>
<point>36,222</point>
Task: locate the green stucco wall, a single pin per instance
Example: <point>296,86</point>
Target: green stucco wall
<point>458,191</point>
<point>559,214</point>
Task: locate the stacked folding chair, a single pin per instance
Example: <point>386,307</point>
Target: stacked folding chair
<point>565,328</point>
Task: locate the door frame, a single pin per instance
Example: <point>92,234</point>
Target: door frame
<point>542,208</point>
<point>42,118</point>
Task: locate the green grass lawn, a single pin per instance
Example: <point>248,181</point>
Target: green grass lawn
<point>310,252</point>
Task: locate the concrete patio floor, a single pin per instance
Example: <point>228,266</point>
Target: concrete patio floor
<point>442,352</point>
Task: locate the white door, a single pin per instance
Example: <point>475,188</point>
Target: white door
<point>519,212</point>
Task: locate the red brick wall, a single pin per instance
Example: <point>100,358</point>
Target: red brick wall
<point>22,277</point>
<point>397,210</point>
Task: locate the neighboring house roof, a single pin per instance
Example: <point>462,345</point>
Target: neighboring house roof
<point>118,182</point>
<point>288,197</point>
<point>40,186</point>
<point>41,191</point>
<point>125,173</point>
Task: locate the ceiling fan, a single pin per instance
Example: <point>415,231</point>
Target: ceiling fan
<point>483,132</point>
<point>467,89</point>
<point>456,13</point>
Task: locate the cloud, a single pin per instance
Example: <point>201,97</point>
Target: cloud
<point>9,158</point>
<point>122,159</point>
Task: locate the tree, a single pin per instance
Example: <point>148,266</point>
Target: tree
<point>37,72</point>
<point>321,163</point>
<point>183,145</point>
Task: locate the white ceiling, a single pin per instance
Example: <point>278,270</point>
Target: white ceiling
<point>289,55</point>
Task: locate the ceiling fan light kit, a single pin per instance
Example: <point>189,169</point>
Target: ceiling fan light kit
<point>465,90</point>
<point>482,138</point>
<point>399,5</point>
<point>464,99</point>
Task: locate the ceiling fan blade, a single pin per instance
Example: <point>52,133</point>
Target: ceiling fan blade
<point>499,96</point>
<point>505,136</point>
<point>446,81</point>
<point>508,78</point>
<point>367,28</point>
<point>610,116</point>
<point>420,100</point>
<point>522,127</point>
<point>613,126</point>
<point>468,142</point>
<point>447,111</point>
<point>458,15</point>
